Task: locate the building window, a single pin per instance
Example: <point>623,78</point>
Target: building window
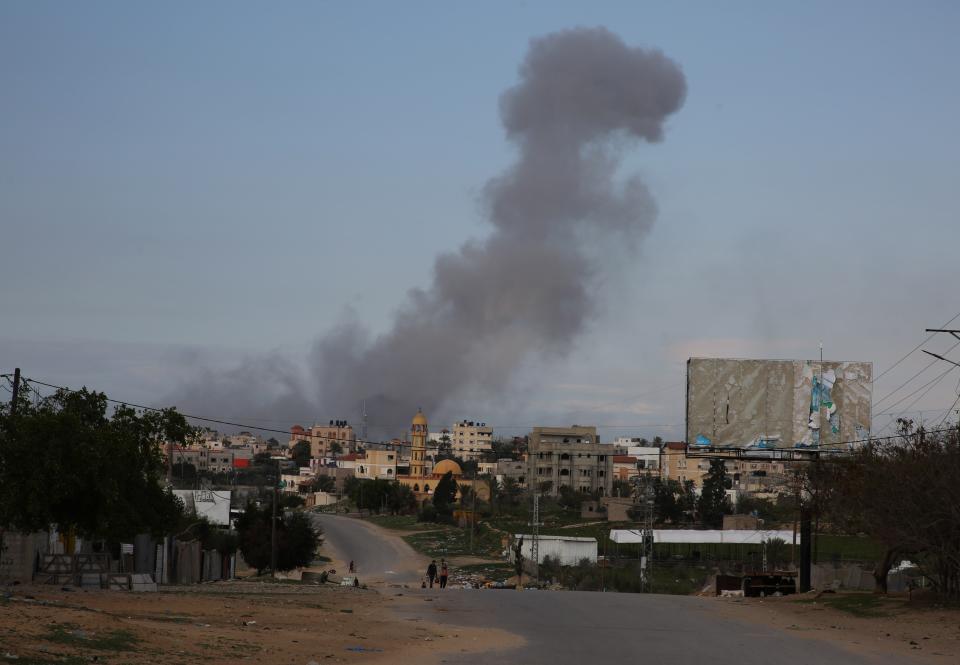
<point>416,488</point>
<point>602,458</point>
<point>564,456</point>
<point>426,487</point>
<point>601,473</point>
<point>564,472</point>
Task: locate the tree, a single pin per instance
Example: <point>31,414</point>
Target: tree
<point>402,500</point>
<point>65,461</point>
<point>301,453</point>
<point>510,491</point>
<point>713,502</point>
<point>444,448</point>
<point>290,500</point>
<point>445,494</point>
<point>545,486</point>
<point>673,502</point>
<point>261,458</point>
<point>184,471</point>
<point>297,539</point>
<point>336,448</point>
<point>571,498</point>
<point>622,488</point>
<point>323,484</point>
<point>493,491</point>
<point>903,493</point>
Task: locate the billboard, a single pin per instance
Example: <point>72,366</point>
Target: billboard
<point>777,403</point>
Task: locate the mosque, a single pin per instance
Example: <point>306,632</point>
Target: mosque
<point>419,481</point>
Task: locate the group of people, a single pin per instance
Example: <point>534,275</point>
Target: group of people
<point>433,576</point>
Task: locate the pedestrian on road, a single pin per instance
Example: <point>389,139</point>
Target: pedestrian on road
<point>432,572</point>
<point>443,573</point>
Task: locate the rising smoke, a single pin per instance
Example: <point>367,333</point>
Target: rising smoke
<point>524,292</point>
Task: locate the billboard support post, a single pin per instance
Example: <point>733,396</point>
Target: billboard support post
<point>805,535</point>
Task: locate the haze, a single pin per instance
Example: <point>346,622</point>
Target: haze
<point>188,190</point>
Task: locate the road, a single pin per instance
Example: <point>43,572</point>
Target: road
<point>381,558</point>
<point>573,628</point>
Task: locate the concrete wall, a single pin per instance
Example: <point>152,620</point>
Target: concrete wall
<point>569,550</point>
<point>19,555</point>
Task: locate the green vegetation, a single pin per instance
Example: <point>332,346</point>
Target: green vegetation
<point>400,522</point>
<point>626,578</point>
<point>66,461</point>
<point>494,570</point>
<point>380,495</point>
<point>865,605</point>
<point>297,539</point>
<point>70,634</point>
<point>451,541</point>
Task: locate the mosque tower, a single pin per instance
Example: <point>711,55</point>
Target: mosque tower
<point>418,449</point>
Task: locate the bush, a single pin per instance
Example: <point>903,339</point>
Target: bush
<point>428,513</point>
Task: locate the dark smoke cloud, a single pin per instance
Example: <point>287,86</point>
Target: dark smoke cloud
<point>523,292</point>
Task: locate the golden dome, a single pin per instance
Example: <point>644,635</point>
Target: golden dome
<point>447,465</point>
<point>420,419</point>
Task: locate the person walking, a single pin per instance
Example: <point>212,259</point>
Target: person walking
<point>432,572</point>
<point>443,573</point>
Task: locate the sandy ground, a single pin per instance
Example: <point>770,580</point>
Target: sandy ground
<point>226,623</point>
<point>921,630</point>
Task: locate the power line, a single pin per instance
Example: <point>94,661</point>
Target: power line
<point>932,384</point>
<point>914,349</point>
<point>947,414</point>
<point>898,388</point>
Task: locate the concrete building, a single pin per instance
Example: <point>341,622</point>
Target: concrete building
<point>514,469</point>
<point>675,465</point>
<point>471,440</point>
<point>625,467</point>
<point>322,438</point>
<point>648,458</point>
<point>746,476</point>
<point>569,456</point>
<point>377,464</point>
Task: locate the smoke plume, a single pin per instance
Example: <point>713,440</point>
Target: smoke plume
<point>524,291</point>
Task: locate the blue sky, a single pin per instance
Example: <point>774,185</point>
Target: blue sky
<point>183,185</point>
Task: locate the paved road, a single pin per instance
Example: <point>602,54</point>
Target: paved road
<point>381,558</point>
<point>578,628</point>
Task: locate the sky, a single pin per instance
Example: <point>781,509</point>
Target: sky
<point>185,187</point>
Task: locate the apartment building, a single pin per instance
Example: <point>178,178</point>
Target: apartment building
<point>322,437</point>
<point>751,476</point>
<point>571,457</point>
<point>377,464</point>
<point>471,440</point>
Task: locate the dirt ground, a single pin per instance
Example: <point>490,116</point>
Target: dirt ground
<point>224,623</point>
<point>921,628</point>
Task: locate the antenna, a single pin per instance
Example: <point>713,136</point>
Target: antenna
<point>363,420</point>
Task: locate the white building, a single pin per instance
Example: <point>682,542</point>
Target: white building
<point>570,550</point>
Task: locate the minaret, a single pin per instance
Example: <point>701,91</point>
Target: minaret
<point>418,449</point>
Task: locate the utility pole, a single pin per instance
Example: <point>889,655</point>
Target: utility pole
<point>535,541</point>
<point>16,391</point>
<point>273,527</point>
<point>473,507</point>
